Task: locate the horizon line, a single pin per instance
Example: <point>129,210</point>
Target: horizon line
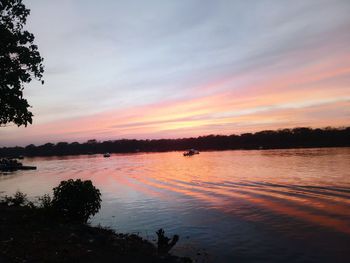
<point>342,127</point>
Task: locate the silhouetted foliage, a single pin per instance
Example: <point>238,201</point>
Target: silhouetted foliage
<point>31,233</point>
<point>45,201</point>
<point>285,138</point>
<point>20,62</point>
<point>18,199</point>
<point>76,200</point>
<point>164,243</point>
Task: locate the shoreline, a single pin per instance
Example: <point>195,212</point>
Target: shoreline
<point>181,151</point>
<point>301,137</point>
<point>28,235</point>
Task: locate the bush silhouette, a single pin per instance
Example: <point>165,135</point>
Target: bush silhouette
<point>164,243</point>
<point>76,200</point>
<point>18,199</point>
<point>45,201</point>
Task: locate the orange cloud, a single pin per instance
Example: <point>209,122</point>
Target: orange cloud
<point>315,95</point>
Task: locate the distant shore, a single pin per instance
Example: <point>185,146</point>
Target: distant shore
<point>279,139</point>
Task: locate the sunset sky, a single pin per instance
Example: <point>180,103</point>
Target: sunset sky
<point>168,69</point>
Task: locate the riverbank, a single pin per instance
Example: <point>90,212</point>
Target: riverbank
<point>28,235</point>
<point>302,137</point>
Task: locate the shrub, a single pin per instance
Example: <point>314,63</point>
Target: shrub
<point>45,201</point>
<point>164,243</point>
<point>19,199</point>
<point>76,200</point>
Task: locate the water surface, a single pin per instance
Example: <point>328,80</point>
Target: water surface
<point>229,206</point>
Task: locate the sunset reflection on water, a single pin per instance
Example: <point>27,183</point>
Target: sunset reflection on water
<point>232,205</point>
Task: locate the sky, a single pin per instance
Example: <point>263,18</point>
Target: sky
<point>170,69</point>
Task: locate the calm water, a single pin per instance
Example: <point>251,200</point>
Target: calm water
<point>231,206</point>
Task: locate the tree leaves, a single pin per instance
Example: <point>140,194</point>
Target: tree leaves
<point>20,63</point>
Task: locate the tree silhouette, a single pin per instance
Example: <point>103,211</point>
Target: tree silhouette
<point>279,139</point>
<point>76,200</point>
<point>20,62</point>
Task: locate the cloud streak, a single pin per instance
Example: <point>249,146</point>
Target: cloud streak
<point>160,69</point>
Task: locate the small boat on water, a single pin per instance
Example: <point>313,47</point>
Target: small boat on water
<point>106,155</point>
<point>9,165</point>
<point>191,152</point>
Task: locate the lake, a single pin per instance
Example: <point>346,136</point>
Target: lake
<point>228,206</point>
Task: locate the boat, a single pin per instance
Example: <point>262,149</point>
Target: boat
<point>9,165</point>
<point>106,155</point>
<point>16,168</point>
<point>191,152</point>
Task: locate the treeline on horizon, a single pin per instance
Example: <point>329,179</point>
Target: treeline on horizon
<point>284,138</point>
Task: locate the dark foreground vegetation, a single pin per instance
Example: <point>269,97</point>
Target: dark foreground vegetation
<point>285,138</point>
<point>55,230</point>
